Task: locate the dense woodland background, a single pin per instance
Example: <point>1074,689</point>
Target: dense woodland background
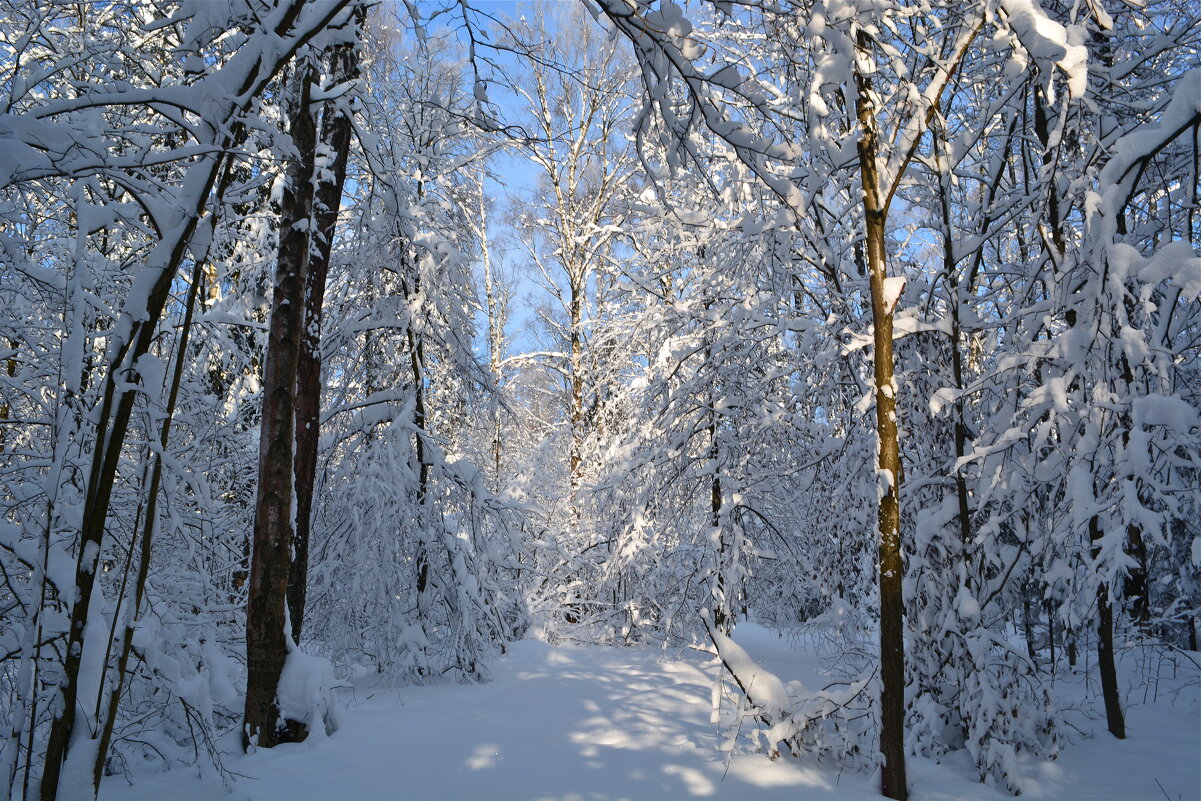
<point>884,312</point>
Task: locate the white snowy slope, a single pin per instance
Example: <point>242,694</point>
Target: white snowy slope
<point>584,723</point>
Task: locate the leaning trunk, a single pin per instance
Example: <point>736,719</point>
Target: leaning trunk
<point>111,429</point>
<point>109,712</point>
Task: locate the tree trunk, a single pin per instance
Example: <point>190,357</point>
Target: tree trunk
<point>109,719</point>
<point>1137,586</point>
<point>577,384</point>
<point>723,616</point>
<point>141,326</point>
<point>335,145</point>
<point>1105,657</point>
<point>11,370</point>
<point>420,423</point>
<point>1051,633</point>
<point>495,337</point>
<point>888,462</point>
<point>111,428</point>
<point>267,635</point>
<point>1028,626</point>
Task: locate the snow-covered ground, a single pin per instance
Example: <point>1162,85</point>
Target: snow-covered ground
<point>587,723</point>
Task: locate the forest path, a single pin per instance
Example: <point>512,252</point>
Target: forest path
<point>587,723</point>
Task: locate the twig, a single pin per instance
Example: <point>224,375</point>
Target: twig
<point>1165,792</point>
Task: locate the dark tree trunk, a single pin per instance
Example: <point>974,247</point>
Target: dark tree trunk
<point>267,635</point>
<point>11,369</point>
<point>420,420</point>
<point>1137,586</point>
<point>1028,626</point>
<point>892,642</point>
<point>111,428</point>
<point>1105,656</point>
<point>577,387</point>
<point>109,718</point>
<point>1051,633</point>
<point>417,366</point>
<point>723,617</point>
<point>112,420</point>
<point>335,142</point>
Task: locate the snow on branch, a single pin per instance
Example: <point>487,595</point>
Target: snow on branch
<point>821,722</point>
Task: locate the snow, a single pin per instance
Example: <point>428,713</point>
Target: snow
<point>1165,410</point>
<point>1184,106</point>
<point>893,287</point>
<point>767,691</point>
<point>1048,41</point>
<point>592,723</point>
<point>967,606</point>
<point>689,462</point>
<point>306,692</point>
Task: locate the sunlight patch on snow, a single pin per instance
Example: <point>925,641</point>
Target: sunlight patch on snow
<point>694,781</point>
<point>559,658</point>
<point>757,771</point>
<point>485,755</point>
